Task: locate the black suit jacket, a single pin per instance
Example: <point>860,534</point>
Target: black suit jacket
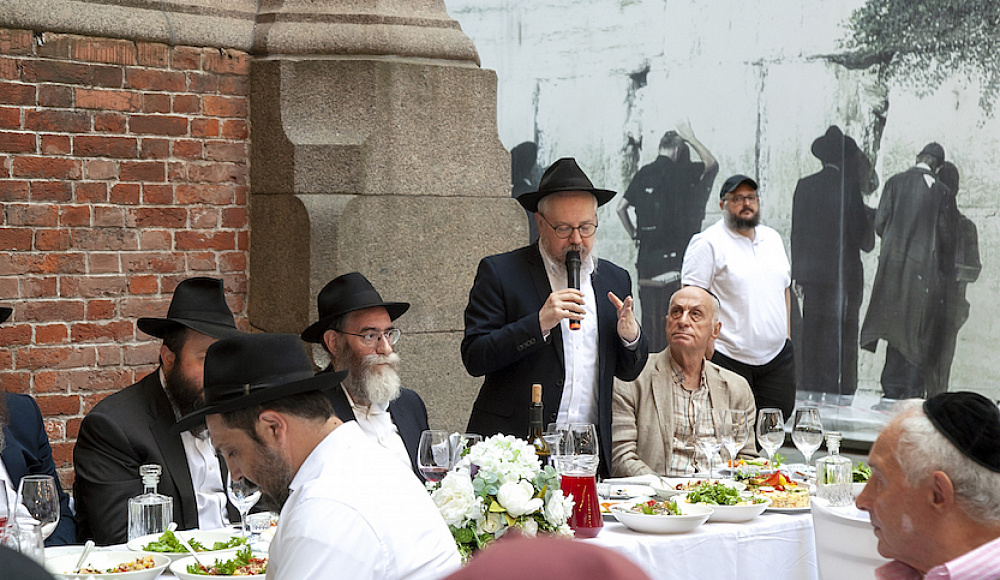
<point>503,341</point>
<point>408,413</point>
<point>27,452</point>
<point>128,429</point>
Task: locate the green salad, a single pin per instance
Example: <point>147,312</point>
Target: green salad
<point>861,473</point>
<point>720,494</point>
<point>168,543</point>
<point>244,564</point>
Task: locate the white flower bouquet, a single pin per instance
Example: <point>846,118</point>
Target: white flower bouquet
<point>497,485</point>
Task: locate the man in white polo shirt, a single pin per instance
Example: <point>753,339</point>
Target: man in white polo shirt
<point>744,264</point>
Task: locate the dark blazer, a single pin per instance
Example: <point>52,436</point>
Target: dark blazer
<point>408,413</point>
<point>503,341</point>
<point>15,565</point>
<point>128,429</point>
<point>27,452</point>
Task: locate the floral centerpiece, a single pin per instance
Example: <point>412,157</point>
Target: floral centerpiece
<point>497,485</point>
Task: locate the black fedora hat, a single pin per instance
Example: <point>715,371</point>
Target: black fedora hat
<point>5,313</point>
<point>563,175</point>
<point>252,369</point>
<point>347,293</point>
<point>198,304</point>
<point>834,146</point>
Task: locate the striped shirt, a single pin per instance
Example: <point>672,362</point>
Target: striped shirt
<point>983,563</point>
<point>690,413</point>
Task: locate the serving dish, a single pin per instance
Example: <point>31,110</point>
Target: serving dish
<point>691,517</point>
<point>667,487</point>
<point>62,567</point>
<point>179,568</point>
<point>206,538</point>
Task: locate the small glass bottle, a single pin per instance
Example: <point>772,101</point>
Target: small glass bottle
<point>151,512</point>
<point>535,429</point>
<point>833,474</point>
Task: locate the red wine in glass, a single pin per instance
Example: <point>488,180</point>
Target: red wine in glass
<point>434,474</point>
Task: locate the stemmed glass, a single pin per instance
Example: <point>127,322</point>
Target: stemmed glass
<point>771,431</point>
<point>807,433</point>
<point>460,442</point>
<point>709,437</point>
<point>434,455</point>
<point>735,432</point>
<point>244,494</point>
<point>37,493</point>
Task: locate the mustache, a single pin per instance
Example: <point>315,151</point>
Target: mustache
<point>392,359</point>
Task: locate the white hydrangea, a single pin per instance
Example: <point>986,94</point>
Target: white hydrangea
<point>457,500</point>
<point>509,458</point>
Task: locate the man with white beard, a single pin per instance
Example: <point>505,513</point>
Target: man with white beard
<point>355,327</point>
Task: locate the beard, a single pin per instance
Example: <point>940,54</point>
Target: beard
<point>186,394</point>
<point>273,475</point>
<point>371,379</point>
<point>735,222</point>
<point>585,254</point>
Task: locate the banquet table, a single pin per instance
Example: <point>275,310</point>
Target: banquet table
<point>780,544</point>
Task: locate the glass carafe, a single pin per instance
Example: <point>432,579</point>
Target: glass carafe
<point>151,512</point>
<point>833,474</point>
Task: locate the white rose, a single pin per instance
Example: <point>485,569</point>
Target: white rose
<point>492,524</point>
<point>564,531</point>
<point>529,527</point>
<point>456,500</point>
<point>558,509</point>
<point>517,498</point>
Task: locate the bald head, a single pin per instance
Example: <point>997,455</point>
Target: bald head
<point>692,320</point>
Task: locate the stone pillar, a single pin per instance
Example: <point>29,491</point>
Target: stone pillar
<point>374,148</point>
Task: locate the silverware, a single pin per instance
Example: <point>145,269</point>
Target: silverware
<point>87,548</point>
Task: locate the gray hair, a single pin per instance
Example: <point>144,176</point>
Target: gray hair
<point>543,204</point>
<point>922,449</point>
<point>716,305</point>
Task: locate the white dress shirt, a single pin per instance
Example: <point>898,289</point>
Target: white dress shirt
<point>376,422</point>
<point>357,513</point>
<point>750,278</point>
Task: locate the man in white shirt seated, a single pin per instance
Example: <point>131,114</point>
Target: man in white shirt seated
<point>934,493</point>
<point>654,417</point>
<point>355,327</point>
<point>351,509</point>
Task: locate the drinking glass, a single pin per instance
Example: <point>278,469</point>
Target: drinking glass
<point>38,495</point>
<point>709,437</point>
<point>807,433</point>
<point>434,456</point>
<point>244,494</point>
<point>771,431</point>
<point>259,523</point>
<point>735,432</point>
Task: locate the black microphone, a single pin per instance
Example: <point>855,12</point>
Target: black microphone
<point>573,279</point>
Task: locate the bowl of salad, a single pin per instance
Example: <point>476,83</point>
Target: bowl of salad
<point>728,504</point>
<point>244,564</point>
<point>861,473</point>
<point>108,565</point>
<point>213,543</point>
<point>661,517</point>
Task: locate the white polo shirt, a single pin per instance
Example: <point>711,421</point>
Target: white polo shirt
<point>750,278</point>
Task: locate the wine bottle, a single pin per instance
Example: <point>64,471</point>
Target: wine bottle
<point>535,430</point>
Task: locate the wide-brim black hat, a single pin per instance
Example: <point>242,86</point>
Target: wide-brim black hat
<point>345,294</point>
<point>5,313</point>
<point>563,175</point>
<point>834,146</point>
<point>198,304</point>
<point>251,369</point>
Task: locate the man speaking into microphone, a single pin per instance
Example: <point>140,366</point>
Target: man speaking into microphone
<point>518,323</point>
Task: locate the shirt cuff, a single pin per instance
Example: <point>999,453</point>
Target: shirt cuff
<point>632,345</point>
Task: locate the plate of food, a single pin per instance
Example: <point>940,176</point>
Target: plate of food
<point>784,493</point>
<point>212,543</point>
<point>661,517</point>
<point>728,504</point>
<point>607,505</point>
<point>244,564</point>
<point>109,565</point>
<point>671,486</point>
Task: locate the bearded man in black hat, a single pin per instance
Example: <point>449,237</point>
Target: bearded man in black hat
<point>350,510</point>
<point>355,327</point>
<point>917,220</point>
<point>518,327</point>
<point>934,493</point>
<point>133,426</point>
<point>25,450</point>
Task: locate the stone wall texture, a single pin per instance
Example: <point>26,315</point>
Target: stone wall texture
<point>123,170</point>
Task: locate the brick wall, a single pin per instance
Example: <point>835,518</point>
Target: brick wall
<point>123,170</point>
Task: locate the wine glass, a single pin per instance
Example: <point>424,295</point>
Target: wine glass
<point>807,433</point>
<point>709,437</point>
<point>434,455</point>
<point>244,494</point>
<point>735,432</point>
<point>38,495</point>
<point>460,442</point>
<point>770,431</point>
<point>581,442</point>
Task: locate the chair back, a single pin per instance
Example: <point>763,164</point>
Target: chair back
<point>846,547</point>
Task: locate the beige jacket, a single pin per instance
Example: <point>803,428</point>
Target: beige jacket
<point>642,415</point>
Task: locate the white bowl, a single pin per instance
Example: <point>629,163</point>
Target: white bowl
<point>667,487</point>
<point>179,568</point>
<point>692,517</point>
<point>736,513</point>
<point>63,566</point>
<point>206,538</point>
<point>857,488</point>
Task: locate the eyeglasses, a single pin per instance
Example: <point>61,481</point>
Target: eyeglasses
<point>564,231</point>
<point>740,199</point>
<point>372,338</point>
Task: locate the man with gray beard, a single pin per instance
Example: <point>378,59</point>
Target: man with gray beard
<point>355,327</point>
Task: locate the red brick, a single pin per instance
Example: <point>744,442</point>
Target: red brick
<point>235,129</point>
<point>154,149</point>
<point>185,58</point>
<point>55,96</point>
<point>153,262</point>
<point>233,261</point>
<point>14,264</point>
<point>99,146</point>
<point>56,145</point>
<point>14,191</point>
<point>39,287</point>
<point>51,240</point>
<point>32,215</point>
<point>243,241</point>
<point>110,123</point>
<point>51,405</point>
<point>103,50</point>
<point>142,171</point>
<point>16,41</point>
<point>46,167</point>
<point>176,171</point>
<point>157,194</point>
<point>9,287</point>
<point>70,73</point>
<point>102,332</point>
<point>186,104</point>
<point>60,263</point>
<point>158,125</point>
<point>17,142</point>
<point>72,431</point>
<point>55,191</point>
<point>106,216</point>
<point>202,261</point>
<point>234,217</point>
<point>139,307</point>
<point>52,310</point>
<point>51,333</point>
<point>187,240</point>
<point>15,238</point>
<point>152,54</point>
<point>101,263</point>
<point>91,287</point>
<point>62,453</point>
<point>212,194</point>
<point>74,215</point>
<point>108,239</point>
<point>90,400</point>
<point>124,193</point>
<point>202,83</point>
<point>58,121</point>
<point>217,106</point>
<point>237,86</point>
<point>10,68</point>
<point>101,169</point>
<point>17,94</point>
<point>114,100</point>
<point>17,334</point>
<point>155,80</point>
<point>227,61</point>
<point>55,429</point>
<point>204,127</point>
<point>144,284</point>
<point>155,103</point>
<point>187,149</point>
<point>204,217</point>
<point>217,173</point>
<point>98,380</point>
<point>110,355</point>
<point>10,118</point>
<point>157,217</point>
<point>106,76</point>
<point>100,309</point>
<point>93,192</point>
<point>143,353</point>
<point>17,382</point>
<point>222,151</point>
<point>53,45</point>
<point>52,381</point>
<point>156,240</point>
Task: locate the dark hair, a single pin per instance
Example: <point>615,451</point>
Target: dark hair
<point>670,140</point>
<point>948,174</point>
<point>312,405</point>
<point>175,337</point>
<point>335,324</point>
<point>931,161</point>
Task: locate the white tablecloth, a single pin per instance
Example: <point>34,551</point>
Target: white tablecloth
<point>773,545</point>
